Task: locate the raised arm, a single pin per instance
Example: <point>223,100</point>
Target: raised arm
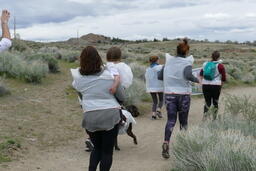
<point>4,23</point>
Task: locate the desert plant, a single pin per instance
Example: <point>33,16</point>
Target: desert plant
<point>16,67</point>
<point>6,148</point>
<point>244,105</point>
<point>205,149</point>
<point>47,58</point>
<point>19,45</point>
<point>69,56</point>
<point>138,70</point>
<point>135,92</point>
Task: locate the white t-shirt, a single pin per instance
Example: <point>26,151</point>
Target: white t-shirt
<point>123,70</point>
<point>5,44</point>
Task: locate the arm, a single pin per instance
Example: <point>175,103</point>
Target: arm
<point>115,85</point>
<point>4,23</point>
<point>188,74</point>
<point>5,43</point>
<point>222,72</point>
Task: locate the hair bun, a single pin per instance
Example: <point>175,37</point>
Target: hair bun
<point>185,40</point>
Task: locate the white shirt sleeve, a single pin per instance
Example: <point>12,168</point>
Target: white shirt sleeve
<point>5,44</point>
<point>112,69</point>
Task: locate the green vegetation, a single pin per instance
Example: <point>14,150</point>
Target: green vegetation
<point>7,148</point>
<point>15,66</point>
<point>226,144</point>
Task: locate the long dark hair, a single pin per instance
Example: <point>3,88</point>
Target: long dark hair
<point>183,48</point>
<point>90,61</point>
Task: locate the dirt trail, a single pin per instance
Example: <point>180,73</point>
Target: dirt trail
<point>146,156</point>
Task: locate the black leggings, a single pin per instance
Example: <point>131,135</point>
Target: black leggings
<point>102,153</point>
<point>211,96</point>
<point>155,101</point>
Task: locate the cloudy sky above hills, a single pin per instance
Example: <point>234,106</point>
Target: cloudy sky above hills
<point>47,20</point>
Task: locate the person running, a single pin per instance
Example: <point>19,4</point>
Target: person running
<point>101,109</point>
<point>6,42</point>
<point>213,75</point>
<point>154,86</point>
<point>177,88</point>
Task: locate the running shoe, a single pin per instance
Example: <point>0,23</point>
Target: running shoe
<point>159,114</point>
<point>89,145</point>
<point>165,152</point>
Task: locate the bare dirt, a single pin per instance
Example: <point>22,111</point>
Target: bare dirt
<point>146,156</point>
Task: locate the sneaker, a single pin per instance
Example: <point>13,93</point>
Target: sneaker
<point>165,152</point>
<point>159,114</point>
<point>153,117</point>
<point>89,145</point>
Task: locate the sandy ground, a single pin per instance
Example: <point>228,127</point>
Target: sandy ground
<point>146,156</point>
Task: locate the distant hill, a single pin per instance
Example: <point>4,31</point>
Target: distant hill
<point>90,39</point>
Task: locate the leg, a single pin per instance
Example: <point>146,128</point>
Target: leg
<point>207,98</point>
<point>216,95</point>
<point>130,133</point>
<point>171,107</point>
<point>161,100</point>
<point>160,105</point>
<point>107,146</point>
<point>116,144</point>
<point>95,156</point>
<point>184,110</point>
<point>154,105</point>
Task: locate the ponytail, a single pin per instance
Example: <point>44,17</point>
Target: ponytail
<point>183,48</point>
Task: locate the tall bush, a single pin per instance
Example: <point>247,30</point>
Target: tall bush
<point>16,67</point>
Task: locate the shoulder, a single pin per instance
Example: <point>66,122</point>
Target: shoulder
<point>123,66</point>
<point>75,73</point>
<point>220,66</point>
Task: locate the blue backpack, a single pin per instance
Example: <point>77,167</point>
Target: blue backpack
<point>209,70</point>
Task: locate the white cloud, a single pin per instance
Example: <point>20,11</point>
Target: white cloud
<point>138,19</point>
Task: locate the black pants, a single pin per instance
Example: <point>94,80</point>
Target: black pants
<point>102,153</point>
<point>211,96</point>
<point>155,101</point>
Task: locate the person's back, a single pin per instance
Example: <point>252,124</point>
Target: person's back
<point>177,89</point>
<point>213,75</point>
<point>154,86</point>
<point>152,82</point>
<point>95,90</point>
<point>174,78</point>
<point>101,109</point>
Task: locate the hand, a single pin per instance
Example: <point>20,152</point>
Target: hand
<point>112,90</point>
<point>5,17</point>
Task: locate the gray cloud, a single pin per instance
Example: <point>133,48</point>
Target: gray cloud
<point>132,19</point>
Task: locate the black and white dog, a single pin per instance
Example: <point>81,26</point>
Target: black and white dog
<point>125,126</point>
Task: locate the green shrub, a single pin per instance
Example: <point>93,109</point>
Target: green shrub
<point>16,67</point>
<point>3,90</point>
<point>135,93</point>
<point>19,45</point>
<point>6,149</point>
<point>138,70</point>
<point>244,106</point>
<point>47,58</point>
<point>70,56</point>
<point>203,149</point>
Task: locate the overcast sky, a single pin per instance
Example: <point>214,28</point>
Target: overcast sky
<point>47,20</point>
